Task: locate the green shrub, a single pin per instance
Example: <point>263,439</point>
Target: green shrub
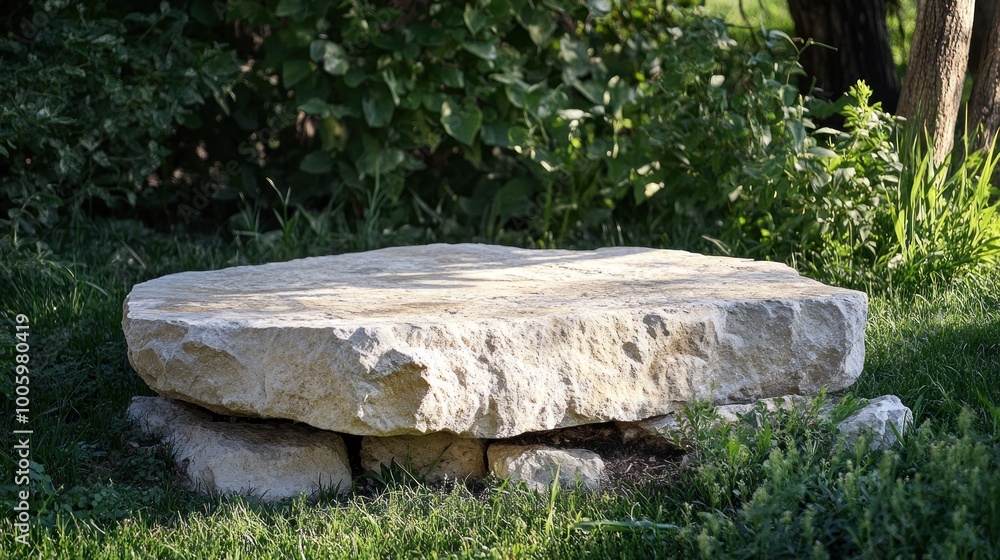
<point>937,495</point>
<point>779,485</point>
<point>558,123</point>
<point>93,96</point>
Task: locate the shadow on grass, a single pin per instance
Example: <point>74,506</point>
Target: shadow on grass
<point>939,354</point>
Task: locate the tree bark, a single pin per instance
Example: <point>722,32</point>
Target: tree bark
<point>857,31</point>
<point>981,29</point>
<point>939,56</point>
<point>984,105</point>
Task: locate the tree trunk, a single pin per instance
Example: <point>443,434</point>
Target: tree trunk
<point>857,30</point>
<point>984,105</point>
<point>939,56</point>
<point>981,28</point>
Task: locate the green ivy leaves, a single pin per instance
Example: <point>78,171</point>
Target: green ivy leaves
<point>332,56</point>
<point>377,106</point>
<point>461,123</point>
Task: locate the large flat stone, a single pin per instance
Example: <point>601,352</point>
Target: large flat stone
<point>488,341</point>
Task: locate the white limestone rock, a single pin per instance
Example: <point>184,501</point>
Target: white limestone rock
<point>488,341</point>
<point>270,461</point>
<point>878,418</point>
<point>537,466</point>
<point>433,457</point>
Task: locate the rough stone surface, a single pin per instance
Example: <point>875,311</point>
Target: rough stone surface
<point>434,456</point>
<point>271,461</point>
<point>537,466</point>
<point>488,341</point>
<point>878,417</point>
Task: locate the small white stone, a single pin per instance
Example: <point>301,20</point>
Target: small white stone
<point>878,417</point>
<point>537,466</point>
<point>270,461</point>
<point>433,457</point>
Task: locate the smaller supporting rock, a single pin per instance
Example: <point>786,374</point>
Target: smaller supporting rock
<point>432,457</point>
<point>878,417</point>
<point>273,461</point>
<point>537,466</point>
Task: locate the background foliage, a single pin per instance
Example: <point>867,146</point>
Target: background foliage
<point>556,123</point>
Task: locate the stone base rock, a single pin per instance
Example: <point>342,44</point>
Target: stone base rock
<point>433,457</point>
<point>270,461</point>
<point>878,418</point>
<point>537,466</point>
<point>487,341</point>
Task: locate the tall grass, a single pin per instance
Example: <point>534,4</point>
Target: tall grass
<point>944,215</point>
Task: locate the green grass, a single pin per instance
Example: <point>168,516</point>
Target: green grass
<point>785,490</point>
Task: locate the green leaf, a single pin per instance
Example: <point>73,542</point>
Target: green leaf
<point>295,9</point>
<point>333,134</point>
<point>452,76</point>
<point>518,136</point>
<point>485,51</point>
<point>539,25</point>
<point>515,198</point>
<point>377,107</point>
<point>317,162</point>
<point>599,7</point>
<point>395,88</point>
<point>320,108</point>
<point>380,162</point>
<point>294,71</point>
<point>822,152</point>
<point>475,19</point>
<point>495,134</point>
<point>355,77</point>
<point>526,97</point>
<point>462,124</point>
<point>205,12</point>
<point>798,132</point>
<point>332,55</point>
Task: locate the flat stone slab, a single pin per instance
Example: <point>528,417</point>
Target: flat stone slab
<point>488,341</point>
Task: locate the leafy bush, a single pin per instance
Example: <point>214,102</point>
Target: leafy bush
<point>886,216</point>
<point>936,495</point>
<point>778,485</point>
<point>94,93</point>
<point>561,122</point>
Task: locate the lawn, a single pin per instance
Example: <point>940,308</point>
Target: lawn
<point>102,490</point>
